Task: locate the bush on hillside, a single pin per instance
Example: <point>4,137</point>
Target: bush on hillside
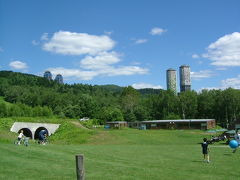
<point>90,123</point>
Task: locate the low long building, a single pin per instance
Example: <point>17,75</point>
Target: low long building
<point>175,124</point>
<point>117,124</point>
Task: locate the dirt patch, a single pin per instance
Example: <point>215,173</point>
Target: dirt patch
<point>78,124</point>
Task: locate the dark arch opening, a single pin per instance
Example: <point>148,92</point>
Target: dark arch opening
<point>36,135</point>
<point>27,132</point>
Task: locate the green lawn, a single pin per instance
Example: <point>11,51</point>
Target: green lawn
<point>123,154</point>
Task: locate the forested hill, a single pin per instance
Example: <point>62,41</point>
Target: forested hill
<point>22,79</point>
<point>74,101</point>
<point>118,89</point>
<point>36,96</point>
<point>16,78</point>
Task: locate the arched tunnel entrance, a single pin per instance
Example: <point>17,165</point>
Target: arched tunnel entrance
<point>36,135</point>
<point>27,132</point>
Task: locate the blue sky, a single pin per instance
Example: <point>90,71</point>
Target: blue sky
<point>123,42</point>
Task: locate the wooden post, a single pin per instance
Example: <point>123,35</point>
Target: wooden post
<point>80,167</point>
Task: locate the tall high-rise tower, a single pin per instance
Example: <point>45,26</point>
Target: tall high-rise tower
<point>59,79</point>
<point>48,75</point>
<point>172,80</point>
<point>185,79</point>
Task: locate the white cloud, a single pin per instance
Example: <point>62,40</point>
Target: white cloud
<point>90,74</point>
<point>195,56</point>
<point>146,85</point>
<point>71,43</point>
<point>136,63</point>
<point>157,31</point>
<point>231,82</point>
<point>105,64</point>
<point>35,43</point>
<point>108,32</point>
<point>227,83</point>
<point>221,68</point>
<point>124,70</point>
<point>141,41</point>
<point>73,73</point>
<point>18,65</point>
<point>44,37</point>
<point>100,61</point>
<point>225,51</point>
<point>202,74</point>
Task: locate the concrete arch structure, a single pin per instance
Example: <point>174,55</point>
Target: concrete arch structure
<point>27,132</point>
<point>36,134</point>
<point>32,129</point>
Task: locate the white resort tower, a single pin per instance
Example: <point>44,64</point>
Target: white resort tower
<point>185,79</point>
<point>47,75</point>
<point>59,79</point>
<point>172,80</point>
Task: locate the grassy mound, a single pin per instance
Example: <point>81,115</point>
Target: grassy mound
<point>68,133</point>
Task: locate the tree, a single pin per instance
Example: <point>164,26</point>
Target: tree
<point>162,105</point>
<point>206,103</point>
<point>129,100</point>
<point>141,113</point>
<point>69,111</point>
<point>172,116</point>
<point>111,114</point>
<point>188,104</point>
<point>15,110</point>
<point>3,109</point>
<point>87,106</point>
<point>231,99</point>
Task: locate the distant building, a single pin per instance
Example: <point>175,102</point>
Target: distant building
<point>116,124</point>
<point>59,79</point>
<point>202,124</point>
<point>172,80</point>
<point>185,79</point>
<point>48,75</point>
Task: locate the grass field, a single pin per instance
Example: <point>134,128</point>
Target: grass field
<point>122,154</point>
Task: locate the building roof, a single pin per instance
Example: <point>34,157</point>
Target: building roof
<point>179,120</point>
<point>184,65</point>
<point>171,69</point>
